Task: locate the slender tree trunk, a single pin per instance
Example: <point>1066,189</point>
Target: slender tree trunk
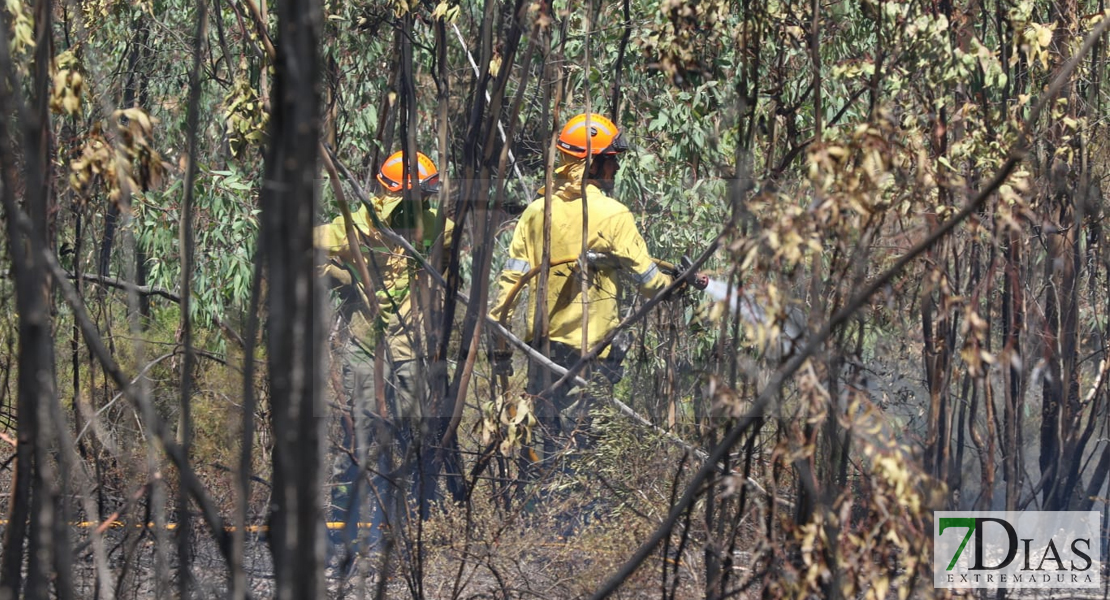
<point>294,333</point>
<point>1098,480</point>
<point>246,437</point>
<point>1013,322</point>
<point>36,495</point>
<point>1060,393</point>
<point>137,93</point>
<point>187,248</point>
<point>31,303</point>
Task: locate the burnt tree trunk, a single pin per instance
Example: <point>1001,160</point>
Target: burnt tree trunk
<point>1013,322</point>
<point>1060,395</point>
<point>31,304</point>
<point>293,333</point>
<point>188,249</point>
<point>36,497</point>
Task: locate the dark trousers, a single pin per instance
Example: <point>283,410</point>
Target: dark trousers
<point>565,417</point>
<point>400,466</point>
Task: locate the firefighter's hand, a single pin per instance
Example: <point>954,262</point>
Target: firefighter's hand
<point>679,290</point>
<point>502,361</point>
<point>697,280</point>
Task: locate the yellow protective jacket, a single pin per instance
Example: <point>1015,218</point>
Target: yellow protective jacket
<point>612,230</point>
<point>389,266</point>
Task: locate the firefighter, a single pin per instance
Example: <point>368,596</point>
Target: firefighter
<point>612,233</point>
<point>392,321</point>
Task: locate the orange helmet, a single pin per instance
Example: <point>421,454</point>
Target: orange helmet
<point>605,138</point>
<point>393,169</point>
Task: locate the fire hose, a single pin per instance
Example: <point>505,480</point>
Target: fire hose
<point>504,333</point>
<point>507,336</point>
<point>592,258</point>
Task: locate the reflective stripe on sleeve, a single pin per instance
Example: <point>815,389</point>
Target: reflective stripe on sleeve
<point>518,265</point>
<point>646,277</point>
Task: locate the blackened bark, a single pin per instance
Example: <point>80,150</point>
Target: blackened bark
<point>187,248</point>
<point>246,437</point>
<point>1062,412</point>
<point>476,201</point>
<point>1060,397</point>
<point>111,218</point>
<point>130,88</point>
<point>935,356</point>
<point>1013,322</point>
<point>618,63</point>
<point>35,495</point>
<point>1098,481</point>
<point>137,94</point>
<point>294,343</point>
<point>11,572</point>
<point>1053,389</point>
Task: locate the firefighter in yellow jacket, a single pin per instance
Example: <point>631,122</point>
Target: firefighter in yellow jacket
<point>393,316</point>
<point>611,231</point>
<point>388,265</point>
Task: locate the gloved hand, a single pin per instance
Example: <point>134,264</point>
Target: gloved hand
<point>696,280</point>
<point>602,261</point>
<point>502,362</point>
<point>679,290</point>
